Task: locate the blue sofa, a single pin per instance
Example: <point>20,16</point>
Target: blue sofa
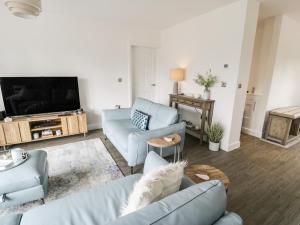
<point>131,141</point>
<point>26,182</point>
<point>194,204</point>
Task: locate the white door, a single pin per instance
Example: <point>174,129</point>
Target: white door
<point>143,72</point>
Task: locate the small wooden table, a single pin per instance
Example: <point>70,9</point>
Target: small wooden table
<point>212,172</point>
<point>206,106</point>
<point>162,143</point>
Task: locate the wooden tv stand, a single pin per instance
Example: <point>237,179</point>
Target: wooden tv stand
<point>22,129</point>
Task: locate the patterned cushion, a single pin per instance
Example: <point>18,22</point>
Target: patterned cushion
<point>140,120</point>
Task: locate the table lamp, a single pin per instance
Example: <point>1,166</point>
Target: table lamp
<point>177,75</point>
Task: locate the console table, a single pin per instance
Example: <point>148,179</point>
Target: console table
<point>206,106</point>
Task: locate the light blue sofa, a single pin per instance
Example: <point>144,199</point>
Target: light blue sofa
<point>131,141</point>
<point>26,182</point>
<point>194,204</point>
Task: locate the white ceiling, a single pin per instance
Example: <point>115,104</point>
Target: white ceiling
<point>156,14</point>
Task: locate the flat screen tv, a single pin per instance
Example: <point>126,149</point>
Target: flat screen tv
<point>35,95</point>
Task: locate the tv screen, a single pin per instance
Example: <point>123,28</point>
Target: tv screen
<point>33,95</point>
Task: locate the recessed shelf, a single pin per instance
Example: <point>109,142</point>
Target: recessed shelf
<point>46,128</point>
<point>48,137</point>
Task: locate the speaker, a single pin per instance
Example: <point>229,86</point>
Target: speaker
<point>2,115</point>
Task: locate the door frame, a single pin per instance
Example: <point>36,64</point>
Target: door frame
<point>132,44</point>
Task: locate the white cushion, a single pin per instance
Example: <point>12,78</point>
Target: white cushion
<point>154,186</point>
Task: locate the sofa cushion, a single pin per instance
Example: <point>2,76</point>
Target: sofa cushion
<point>29,174</point>
<point>202,203</point>
<point>153,161</point>
<point>118,132</point>
<point>160,115</point>
<point>155,185</point>
<point>96,206</point>
<point>13,219</point>
<point>140,120</point>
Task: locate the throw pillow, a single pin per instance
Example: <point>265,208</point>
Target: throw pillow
<point>154,186</point>
<point>140,120</point>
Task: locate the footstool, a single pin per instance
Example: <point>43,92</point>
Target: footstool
<point>26,182</point>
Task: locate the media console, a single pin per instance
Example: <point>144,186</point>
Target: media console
<point>41,127</point>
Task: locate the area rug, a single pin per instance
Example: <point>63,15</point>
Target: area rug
<point>73,168</point>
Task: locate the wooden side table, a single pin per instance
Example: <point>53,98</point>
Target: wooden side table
<point>161,143</point>
<point>212,172</point>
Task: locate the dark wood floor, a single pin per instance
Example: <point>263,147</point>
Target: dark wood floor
<point>265,179</point>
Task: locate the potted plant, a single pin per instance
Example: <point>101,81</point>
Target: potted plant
<point>215,133</point>
<point>207,80</point>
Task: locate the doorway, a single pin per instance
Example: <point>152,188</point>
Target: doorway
<point>143,72</point>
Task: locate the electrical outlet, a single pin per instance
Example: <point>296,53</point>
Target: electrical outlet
<point>117,106</point>
<point>223,84</point>
<point>239,85</point>
<point>226,66</point>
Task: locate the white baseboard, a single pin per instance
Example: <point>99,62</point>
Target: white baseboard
<point>93,126</point>
<point>251,132</point>
<point>232,146</point>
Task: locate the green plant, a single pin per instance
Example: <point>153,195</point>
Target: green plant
<point>207,80</point>
<point>215,132</point>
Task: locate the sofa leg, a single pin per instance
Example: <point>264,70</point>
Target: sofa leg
<point>131,169</point>
<point>42,201</point>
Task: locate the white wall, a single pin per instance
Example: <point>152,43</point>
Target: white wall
<point>55,45</point>
<point>210,41</point>
<point>285,89</point>
<point>275,68</point>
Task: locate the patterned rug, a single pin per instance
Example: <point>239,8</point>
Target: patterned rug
<point>74,167</point>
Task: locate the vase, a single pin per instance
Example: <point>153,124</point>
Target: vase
<point>214,146</point>
<point>206,94</point>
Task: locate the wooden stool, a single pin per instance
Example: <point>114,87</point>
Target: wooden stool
<point>162,144</point>
<point>212,172</point>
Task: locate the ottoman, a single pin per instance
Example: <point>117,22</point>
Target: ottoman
<point>26,182</point>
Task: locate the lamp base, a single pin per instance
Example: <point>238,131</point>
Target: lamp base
<point>175,88</point>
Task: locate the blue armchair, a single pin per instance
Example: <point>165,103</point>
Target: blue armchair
<point>131,141</point>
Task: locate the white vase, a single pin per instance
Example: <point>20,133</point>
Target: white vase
<point>206,94</point>
<point>214,146</point>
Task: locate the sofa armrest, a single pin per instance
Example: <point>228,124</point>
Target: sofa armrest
<point>13,219</point>
<point>137,141</point>
<point>115,114</point>
<point>230,219</point>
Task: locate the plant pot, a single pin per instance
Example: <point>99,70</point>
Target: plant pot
<point>214,146</point>
<point>206,94</point>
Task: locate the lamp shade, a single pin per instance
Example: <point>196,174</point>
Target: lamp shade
<point>24,8</point>
<point>177,74</point>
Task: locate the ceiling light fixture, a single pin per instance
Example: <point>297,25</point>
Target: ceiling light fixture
<point>24,8</point>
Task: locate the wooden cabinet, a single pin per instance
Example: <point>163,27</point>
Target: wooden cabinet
<point>82,121</point>
<point>25,131</point>
<point>64,126</point>
<point>21,130</point>
<point>12,132</point>
<point>284,125</point>
<point>73,125</point>
<point>2,136</point>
